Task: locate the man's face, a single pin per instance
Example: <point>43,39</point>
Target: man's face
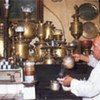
<point>96,49</point>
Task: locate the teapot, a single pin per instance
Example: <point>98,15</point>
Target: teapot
<point>68,62</point>
<point>54,85</point>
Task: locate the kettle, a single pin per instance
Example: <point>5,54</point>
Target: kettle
<point>68,62</point>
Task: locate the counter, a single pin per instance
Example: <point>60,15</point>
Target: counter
<point>41,90</point>
<point>45,73</point>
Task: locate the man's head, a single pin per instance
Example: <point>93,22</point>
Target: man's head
<point>96,47</point>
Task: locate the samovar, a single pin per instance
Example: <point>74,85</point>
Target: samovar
<point>76,26</point>
<point>29,25</point>
<point>76,29</point>
<point>21,45</point>
<point>1,40</point>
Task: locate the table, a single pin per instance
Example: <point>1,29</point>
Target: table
<point>45,73</point>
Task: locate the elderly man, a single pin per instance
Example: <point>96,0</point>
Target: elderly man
<point>88,89</point>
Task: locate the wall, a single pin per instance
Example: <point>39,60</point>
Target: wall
<point>64,10</point>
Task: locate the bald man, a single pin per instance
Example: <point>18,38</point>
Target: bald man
<point>88,89</point>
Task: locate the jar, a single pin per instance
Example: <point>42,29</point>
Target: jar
<point>29,72</point>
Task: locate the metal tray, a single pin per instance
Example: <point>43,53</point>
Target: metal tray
<point>90,30</point>
<point>88,11</point>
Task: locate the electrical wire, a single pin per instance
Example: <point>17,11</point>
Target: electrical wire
<point>56,17</point>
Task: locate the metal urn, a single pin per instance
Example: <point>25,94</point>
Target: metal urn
<point>30,26</point>
<point>21,46</point>
<point>76,26</point>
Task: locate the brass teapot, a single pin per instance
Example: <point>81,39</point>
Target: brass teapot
<point>48,30</point>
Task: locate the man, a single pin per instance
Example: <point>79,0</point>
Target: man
<point>88,89</point>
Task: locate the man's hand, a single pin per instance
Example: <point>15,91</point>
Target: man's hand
<point>77,57</point>
<point>67,80</point>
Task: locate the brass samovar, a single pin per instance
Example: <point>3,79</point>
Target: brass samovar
<point>1,40</point>
<point>21,45</point>
<point>28,24</point>
<point>76,26</point>
<point>76,29</point>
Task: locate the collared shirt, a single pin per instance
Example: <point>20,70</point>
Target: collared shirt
<point>88,89</point>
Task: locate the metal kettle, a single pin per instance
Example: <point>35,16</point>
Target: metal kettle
<point>68,62</point>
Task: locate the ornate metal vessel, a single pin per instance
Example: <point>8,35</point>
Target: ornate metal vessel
<point>76,26</point>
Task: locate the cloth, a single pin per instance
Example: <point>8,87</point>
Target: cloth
<point>88,89</point>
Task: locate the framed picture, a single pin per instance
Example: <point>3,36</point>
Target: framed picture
<point>16,9</point>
